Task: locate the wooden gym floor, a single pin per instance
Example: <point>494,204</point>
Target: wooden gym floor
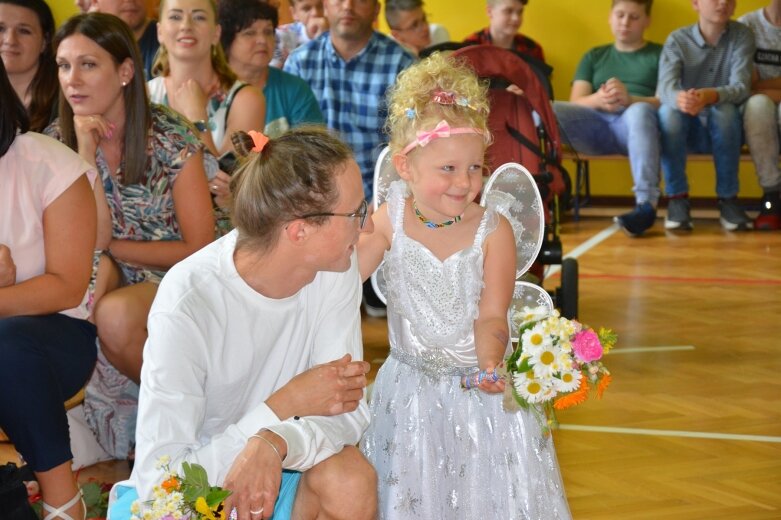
<point>691,426</point>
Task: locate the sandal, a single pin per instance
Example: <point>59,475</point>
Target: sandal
<point>59,512</point>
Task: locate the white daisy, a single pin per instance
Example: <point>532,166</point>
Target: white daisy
<point>530,314</point>
<point>531,389</point>
<point>569,381</point>
<point>544,361</point>
<point>535,339</point>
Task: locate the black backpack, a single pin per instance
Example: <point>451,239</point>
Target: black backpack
<point>13,495</point>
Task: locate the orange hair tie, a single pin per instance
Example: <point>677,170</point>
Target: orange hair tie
<point>260,140</point>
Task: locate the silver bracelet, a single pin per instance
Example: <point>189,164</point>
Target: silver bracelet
<point>259,436</point>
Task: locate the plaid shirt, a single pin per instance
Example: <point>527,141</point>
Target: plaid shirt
<point>352,93</point>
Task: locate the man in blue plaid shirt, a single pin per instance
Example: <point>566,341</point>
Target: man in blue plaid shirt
<point>349,69</point>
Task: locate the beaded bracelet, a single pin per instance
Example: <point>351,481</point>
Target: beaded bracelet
<point>475,379</point>
<point>259,436</point>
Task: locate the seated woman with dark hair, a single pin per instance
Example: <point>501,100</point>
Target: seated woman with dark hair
<point>248,37</point>
<point>26,30</point>
<point>151,166</point>
<point>47,346</point>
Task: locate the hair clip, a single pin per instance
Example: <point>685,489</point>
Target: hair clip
<point>259,139</point>
<point>444,98</point>
<point>410,113</point>
<point>450,98</point>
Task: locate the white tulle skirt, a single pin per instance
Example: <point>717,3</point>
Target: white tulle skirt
<point>444,453</point>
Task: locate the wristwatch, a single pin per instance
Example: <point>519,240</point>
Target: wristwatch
<point>201,125</point>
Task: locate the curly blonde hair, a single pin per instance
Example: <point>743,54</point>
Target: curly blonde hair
<point>410,100</point>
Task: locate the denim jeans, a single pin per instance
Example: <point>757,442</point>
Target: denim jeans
<point>633,132</point>
<point>761,122</point>
<point>717,130</point>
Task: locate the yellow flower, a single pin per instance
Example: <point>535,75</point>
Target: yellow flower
<point>202,507</point>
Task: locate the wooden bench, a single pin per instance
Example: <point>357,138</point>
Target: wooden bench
<point>582,185</point>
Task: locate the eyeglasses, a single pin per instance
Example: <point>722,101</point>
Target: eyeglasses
<point>361,214</point>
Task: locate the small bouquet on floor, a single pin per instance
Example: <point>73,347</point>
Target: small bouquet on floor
<point>187,497</point>
<point>555,364</point>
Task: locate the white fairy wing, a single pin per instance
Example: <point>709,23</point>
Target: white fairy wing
<point>512,191</point>
<point>526,294</point>
<point>384,174</point>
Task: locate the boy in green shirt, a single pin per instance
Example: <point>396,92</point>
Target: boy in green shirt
<point>612,108</point>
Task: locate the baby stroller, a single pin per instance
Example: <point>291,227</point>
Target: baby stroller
<point>524,130</point>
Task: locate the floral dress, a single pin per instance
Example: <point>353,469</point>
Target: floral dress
<point>217,109</point>
<point>143,211</point>
<point>441,452</point>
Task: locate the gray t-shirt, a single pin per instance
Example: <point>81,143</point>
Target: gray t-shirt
<point>767,58</point>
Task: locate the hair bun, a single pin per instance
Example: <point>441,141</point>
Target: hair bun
<point>242,142</point>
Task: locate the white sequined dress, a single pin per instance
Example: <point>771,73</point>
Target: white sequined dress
<point>441,452</point>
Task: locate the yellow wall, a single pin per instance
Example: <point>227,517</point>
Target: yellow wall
<point>568,28</point>
<point>62,9</point>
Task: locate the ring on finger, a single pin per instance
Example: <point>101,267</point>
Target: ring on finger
<point>258,512</point>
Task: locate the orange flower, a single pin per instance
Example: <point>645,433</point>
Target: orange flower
<point>573,399</point>
<point>603,384</point>
<point>171,485</point>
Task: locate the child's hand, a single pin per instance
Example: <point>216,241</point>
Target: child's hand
<point>488,385</point>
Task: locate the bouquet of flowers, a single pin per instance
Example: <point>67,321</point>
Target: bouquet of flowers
<point>555,364</point>
<point>187,497</point>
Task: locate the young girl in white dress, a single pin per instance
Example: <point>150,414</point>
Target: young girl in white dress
<point>440,451</point>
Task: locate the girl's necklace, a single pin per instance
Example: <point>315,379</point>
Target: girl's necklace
<point>430,224</point>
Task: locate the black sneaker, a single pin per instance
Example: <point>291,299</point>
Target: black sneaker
<point>733,218</point>
<point>769,217</point>
<point>678,215</point>
<point>638,220</point>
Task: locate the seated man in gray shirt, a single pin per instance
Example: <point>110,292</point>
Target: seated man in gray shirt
<point>704,75</point>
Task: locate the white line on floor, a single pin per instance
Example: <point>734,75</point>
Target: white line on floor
<point>585,246</point>
<point>671,433</point>
<point>661,348</point>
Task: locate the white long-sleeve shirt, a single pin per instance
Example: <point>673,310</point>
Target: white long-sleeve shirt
<point>217,350</point>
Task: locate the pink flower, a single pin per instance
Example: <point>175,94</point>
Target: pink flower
<point>587,346</point>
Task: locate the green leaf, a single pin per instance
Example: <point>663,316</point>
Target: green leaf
<point>216,496</point>
<point>520,400</point>
<point>195,482</point>
<point>95,499</point>
<point>525,366</point>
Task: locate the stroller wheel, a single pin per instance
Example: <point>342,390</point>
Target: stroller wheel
<point>567,294</point>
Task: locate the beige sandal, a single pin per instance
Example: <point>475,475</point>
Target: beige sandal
<point>59,512</point>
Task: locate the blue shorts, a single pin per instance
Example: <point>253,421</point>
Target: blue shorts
<point>283,507</point>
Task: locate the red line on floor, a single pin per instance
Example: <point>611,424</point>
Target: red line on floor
<point>680,279</point>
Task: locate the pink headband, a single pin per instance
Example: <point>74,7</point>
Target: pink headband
<point>441,130</point>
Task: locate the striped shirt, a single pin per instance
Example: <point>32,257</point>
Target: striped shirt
<point>688,61</point>
<point>351,93</point>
